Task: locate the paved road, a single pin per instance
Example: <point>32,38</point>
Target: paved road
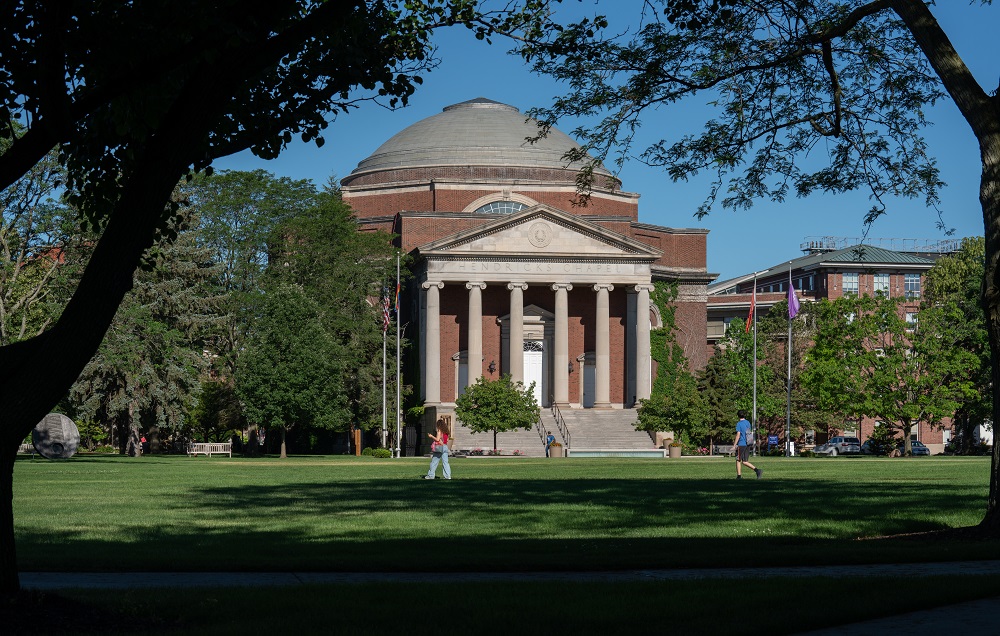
<point>973,618</point>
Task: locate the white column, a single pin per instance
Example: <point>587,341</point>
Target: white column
<point>560,356</point>
<point>432,344</point>
<point>475,346</point>
<point>602,348</point>
<point>643,381</point>
<point>516,354</point>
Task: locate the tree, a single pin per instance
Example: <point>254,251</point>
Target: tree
<point>344,270</point>
<point>719,396</point>
<point>674,402</point>
<point>138,95</point>
<point>291,375</point>
<point>42,251</point>
<point>807,414</point>
<point>866,363</point>
<point>497,405</point>
<point>148,370</point>
<point>788,81</point>
<point>240,213</point>
<point>951,312</point>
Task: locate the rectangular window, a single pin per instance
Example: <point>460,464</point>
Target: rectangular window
<point>911,321</point>
<point>911,286</point>
<point>881,284</point>
<point>850,283</point>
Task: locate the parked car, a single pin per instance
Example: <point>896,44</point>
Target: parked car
<point>917,447</point>
<point>839,445</point>
<point>882,448</point>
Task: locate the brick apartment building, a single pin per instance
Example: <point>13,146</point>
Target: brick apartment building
<point>510,275</point>
<point>831,268</point>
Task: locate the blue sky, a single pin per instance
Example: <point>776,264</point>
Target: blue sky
<point>738,242</point>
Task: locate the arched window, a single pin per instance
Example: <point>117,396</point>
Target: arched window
<point>500,207</point>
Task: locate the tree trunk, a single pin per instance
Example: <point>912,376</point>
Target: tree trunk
<point>10,582</point>
<point>989,196</point>
<point>284,454</point>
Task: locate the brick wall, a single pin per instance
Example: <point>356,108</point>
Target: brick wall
<point>422,198</point>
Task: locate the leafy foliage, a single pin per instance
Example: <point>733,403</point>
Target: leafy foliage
<point>347,273</point>
<point>782,81</point>
<point>951,312</point>
<point>291,374</point>
<point>865,362</point>
<point>674,404</point>
<point>149,367</point>
<point>240,213</point>
<point>41,251</point>
<point>883,439</point>
<point>497,405</point>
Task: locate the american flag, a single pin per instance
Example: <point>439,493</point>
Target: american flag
<point>386,315</point>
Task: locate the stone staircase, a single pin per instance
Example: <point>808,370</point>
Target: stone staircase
<point>605,429</point>
<point>589,428</point>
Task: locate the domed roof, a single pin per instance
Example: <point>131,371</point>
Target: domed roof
<point>479,132</point>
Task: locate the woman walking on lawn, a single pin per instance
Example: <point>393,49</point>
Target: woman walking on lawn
<point>742,445</point>
<point>439,451</point>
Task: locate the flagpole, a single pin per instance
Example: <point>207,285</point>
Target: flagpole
<point>399,410</point>
<point>384,405</point>
<point>793,309</point>
<point>753,304</point>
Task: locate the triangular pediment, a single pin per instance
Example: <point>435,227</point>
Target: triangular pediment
<point>533,313</point>
<point>540,232</point>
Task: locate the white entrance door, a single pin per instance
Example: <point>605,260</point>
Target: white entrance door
<point>534,367</point>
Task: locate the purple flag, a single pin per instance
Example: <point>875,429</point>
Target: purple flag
<point>793,301</point>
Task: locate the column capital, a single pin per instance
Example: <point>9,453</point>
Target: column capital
<point>471,285</point>
<point>647,287</point>
<point>432,283</point>
<point>604,287</point>
<point>565,286</point>
<point>521,286</point>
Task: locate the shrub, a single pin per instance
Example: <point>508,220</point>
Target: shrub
<point>476,451</point>
<point>495,451</point>
<point>367,452</point>
<point>382,453</point>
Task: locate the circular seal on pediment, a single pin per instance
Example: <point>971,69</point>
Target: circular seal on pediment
<point>540,234</point>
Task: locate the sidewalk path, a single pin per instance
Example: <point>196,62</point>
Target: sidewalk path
<point>136,580</point>
<point>972,618</point>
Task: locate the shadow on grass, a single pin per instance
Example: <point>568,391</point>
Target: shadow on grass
<point>523,524</point>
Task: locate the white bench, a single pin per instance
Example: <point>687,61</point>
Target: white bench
<point>210,448</point>
<point>26,449</point>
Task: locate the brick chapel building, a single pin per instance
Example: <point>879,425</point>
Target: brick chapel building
<point>510,275</point>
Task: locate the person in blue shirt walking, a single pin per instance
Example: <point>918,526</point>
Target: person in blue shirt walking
<point>549,439</point>
<point>741,443</point>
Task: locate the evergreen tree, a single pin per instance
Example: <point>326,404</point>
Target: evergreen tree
<point>719,396</point>
<point>147,373</point>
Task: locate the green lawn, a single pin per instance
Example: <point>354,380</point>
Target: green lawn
<point>315,513</point>
<point>333,513</point>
